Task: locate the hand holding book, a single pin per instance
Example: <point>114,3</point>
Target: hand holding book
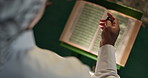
<point>110,30</point>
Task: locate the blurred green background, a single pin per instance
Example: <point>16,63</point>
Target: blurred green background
<point>48,30</point>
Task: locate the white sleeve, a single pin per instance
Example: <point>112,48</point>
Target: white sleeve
<point>106,64</point>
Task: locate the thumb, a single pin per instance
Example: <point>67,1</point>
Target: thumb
<point>108,24</point>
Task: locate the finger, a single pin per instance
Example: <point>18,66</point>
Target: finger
<point>108,23</point>
<point>111,16</point>
<point>102,20</point>
<point>102,24</point>
<point>102,28</point>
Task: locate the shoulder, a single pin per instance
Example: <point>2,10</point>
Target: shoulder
<point>49,62</point>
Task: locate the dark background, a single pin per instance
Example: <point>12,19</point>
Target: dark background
<point>48,30</point>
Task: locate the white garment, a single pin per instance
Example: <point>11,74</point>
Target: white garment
<point>27,61</point>
<point>19,58</point>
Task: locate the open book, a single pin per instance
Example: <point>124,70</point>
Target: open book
<point>82,30</point>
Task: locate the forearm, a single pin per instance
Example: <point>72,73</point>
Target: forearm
<point>106,64</point>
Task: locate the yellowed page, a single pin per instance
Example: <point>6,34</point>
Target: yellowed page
<point>129,28</point>
<point>82,25</point>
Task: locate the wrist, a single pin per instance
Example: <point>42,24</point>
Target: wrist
<point>102,43</point>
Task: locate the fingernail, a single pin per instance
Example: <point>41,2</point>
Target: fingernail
<point>101,28</point>
<point>102,24</point>
<point>102,20</point>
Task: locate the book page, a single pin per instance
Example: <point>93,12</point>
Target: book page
<point>85,25</point>
<point>126,36</point>
<point>96,46</point>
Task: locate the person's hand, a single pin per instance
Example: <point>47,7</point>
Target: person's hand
<point>110,30</point>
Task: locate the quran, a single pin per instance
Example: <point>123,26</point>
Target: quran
<point>82,30</point>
